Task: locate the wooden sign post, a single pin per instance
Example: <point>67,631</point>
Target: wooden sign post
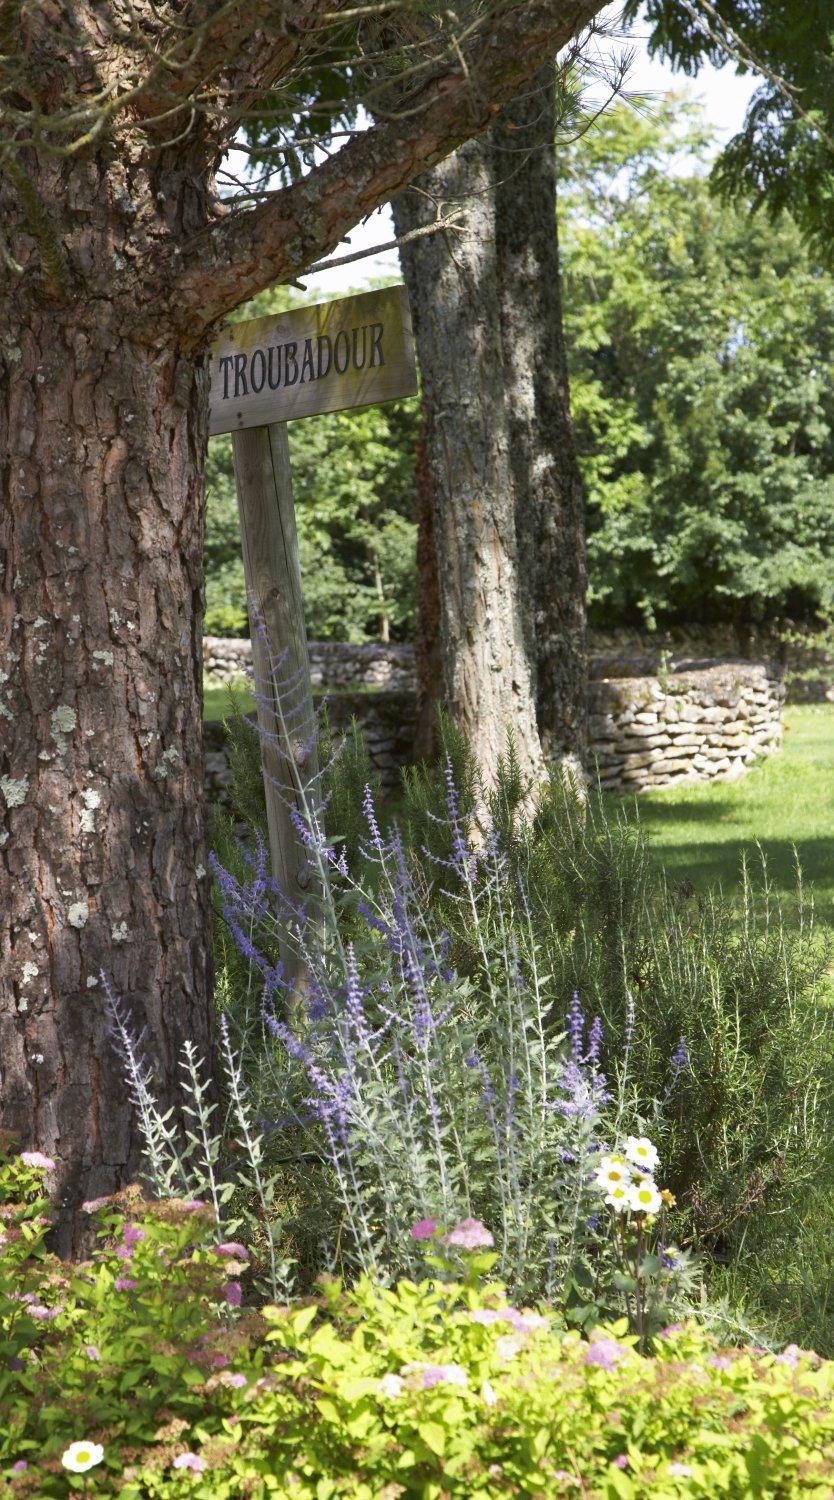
<point>354,352</point>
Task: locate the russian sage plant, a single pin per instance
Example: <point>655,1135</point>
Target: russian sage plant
<point>395,1086</point>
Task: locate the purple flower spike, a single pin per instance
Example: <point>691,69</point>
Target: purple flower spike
<point>680,1059</point>
<point>232,1250</point>
<point>469,1234</point>
<point>233,1293</point>
<point>423,1229</point>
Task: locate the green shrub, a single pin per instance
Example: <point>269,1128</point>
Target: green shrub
<point>745,1126</point>
<point>741,1112</point>
<point>145,1381</point>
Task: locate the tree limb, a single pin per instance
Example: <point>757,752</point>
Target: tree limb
<point>234,51</point>
<point>450,221</point>
<point>229,262</point>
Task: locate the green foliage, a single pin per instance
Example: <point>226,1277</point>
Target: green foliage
<point>783,157</point>
<point>744,1128</point>
<point>111,1349</point>
<point>699,340</point>
<point>353,483</point>
<point>434,1387</point>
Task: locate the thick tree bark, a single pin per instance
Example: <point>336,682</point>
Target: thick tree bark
<point>455,303</point>
<point>116,261</point>
<point>103,864</point>
<point>549,501</point>
<point>427,644</point>
<point>488,324</point>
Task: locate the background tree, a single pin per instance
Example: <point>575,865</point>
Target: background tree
<point>502,494</point>
<point>547,482</point>
<point>454,291</point>
<point>784,155</point>
<point>119,259</point>
<point>701,341</point>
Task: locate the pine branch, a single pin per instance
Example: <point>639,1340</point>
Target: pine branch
<point>228,54</point>
<point>239,255</point>
<point>40,224</point>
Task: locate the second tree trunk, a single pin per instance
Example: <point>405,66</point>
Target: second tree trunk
<point>499,445</point>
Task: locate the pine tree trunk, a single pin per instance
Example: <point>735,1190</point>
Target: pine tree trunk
<point>455,304</point>
<point>102,865</point>
<point>429,671</point>
<point>549,501</point>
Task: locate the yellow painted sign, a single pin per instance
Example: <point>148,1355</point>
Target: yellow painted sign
<point>353,352</point>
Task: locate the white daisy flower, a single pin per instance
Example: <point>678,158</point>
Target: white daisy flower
<point>619,1198</point>
<point>80,1457</point>
<point>613,1171</point>
<point>644,1198</point>
<point>391,1386</point>
<point>641,1152</point>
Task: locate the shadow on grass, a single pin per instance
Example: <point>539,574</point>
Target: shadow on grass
<point>719,863</point>
<point>654,812</point>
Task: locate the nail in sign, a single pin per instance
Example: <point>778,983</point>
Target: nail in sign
<point>353,352</point>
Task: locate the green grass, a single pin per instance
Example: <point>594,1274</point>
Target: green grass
<point>784,803</point>
<point>216,701</point>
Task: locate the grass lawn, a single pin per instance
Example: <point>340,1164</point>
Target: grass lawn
<point>216,701</point>
<point>785,801</point>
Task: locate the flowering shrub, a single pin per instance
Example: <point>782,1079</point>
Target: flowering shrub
<point>434,1387</point>
<point>109,1344</point>
<point>712,1036</point>
<point>396,1089</point>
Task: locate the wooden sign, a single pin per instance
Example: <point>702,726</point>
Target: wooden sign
<point>353,352</point>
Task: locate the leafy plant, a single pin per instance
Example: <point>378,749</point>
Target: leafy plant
<point>715,1037</point>
<point>698,334</point>
<point>146,1383</point>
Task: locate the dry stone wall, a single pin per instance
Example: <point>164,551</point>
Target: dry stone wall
<point>334,665</point>
<point>700,721</point>
<point>704,724</point>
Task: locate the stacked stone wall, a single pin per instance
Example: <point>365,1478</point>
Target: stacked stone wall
<point>667,725</point>
<point>700,725</point>
<point>334,665</point>
<point>808,670</point>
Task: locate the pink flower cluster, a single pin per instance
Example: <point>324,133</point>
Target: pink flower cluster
<point>605,1353</point>
<point>37,1159</point>
<point>191,1461</point>
<point>423,1229</point>
<point>522,1322</point>
<point>469,1234</point>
